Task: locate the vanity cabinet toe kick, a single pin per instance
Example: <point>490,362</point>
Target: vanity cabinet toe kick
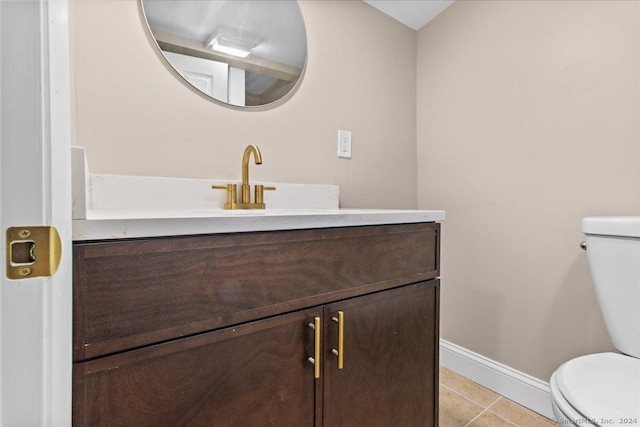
<point>282,328</point>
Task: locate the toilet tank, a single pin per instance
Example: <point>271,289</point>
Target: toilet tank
<point>613,252</point>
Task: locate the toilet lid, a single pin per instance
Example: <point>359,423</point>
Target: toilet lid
<point>603,387</point>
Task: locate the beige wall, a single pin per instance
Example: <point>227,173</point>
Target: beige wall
<point>528,120</point>
<point>134,117</point>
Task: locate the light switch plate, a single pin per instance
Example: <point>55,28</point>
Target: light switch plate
<point>344,144</point>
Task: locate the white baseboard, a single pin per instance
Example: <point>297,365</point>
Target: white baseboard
<point>523,389</point>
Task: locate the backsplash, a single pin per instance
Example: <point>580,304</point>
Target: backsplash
<point>97,194</point>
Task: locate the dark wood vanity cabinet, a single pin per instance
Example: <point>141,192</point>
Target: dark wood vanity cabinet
<point>389,376</point>
<point>250,375</point>
<point>214,330</point>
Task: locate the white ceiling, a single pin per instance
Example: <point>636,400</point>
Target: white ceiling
<point>277,25</point>
<point>412,13</point>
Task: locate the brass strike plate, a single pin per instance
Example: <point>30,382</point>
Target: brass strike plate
<point>32,251</point>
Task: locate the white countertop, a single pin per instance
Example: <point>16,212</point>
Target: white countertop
<point>154,223</point>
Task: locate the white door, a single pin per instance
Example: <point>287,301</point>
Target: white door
<point>210,77</point>
<point>236,86</point>
<point>35,190</point>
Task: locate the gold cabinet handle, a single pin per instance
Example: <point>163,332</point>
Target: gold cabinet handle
<point>315,360</point>
<point>340,351</point>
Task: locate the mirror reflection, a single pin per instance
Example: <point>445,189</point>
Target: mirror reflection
<point>241,52</point>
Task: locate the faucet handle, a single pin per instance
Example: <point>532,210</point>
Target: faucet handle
<point>232,194</point>
<point>259,192</point>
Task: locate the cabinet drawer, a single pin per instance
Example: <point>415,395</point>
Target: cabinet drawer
<point>128,294</point>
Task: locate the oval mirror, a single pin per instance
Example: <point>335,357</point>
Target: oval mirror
<point>240,52</point>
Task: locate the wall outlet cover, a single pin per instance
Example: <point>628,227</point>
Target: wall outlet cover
<point>344,144</point>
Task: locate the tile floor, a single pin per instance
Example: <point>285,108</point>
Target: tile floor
<point>465,403</point>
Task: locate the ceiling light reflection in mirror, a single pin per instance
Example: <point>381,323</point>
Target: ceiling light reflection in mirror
<point>240,52</point>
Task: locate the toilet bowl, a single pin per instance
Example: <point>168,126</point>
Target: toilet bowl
<point>604,389</point>
<point>598,389</point>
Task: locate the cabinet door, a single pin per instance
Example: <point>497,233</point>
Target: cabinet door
<point>390,373</point>
<point>256,374</point>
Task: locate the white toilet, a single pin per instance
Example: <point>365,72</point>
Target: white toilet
<point>604,389</point>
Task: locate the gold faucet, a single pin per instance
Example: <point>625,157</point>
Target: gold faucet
<point>245,188</point>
